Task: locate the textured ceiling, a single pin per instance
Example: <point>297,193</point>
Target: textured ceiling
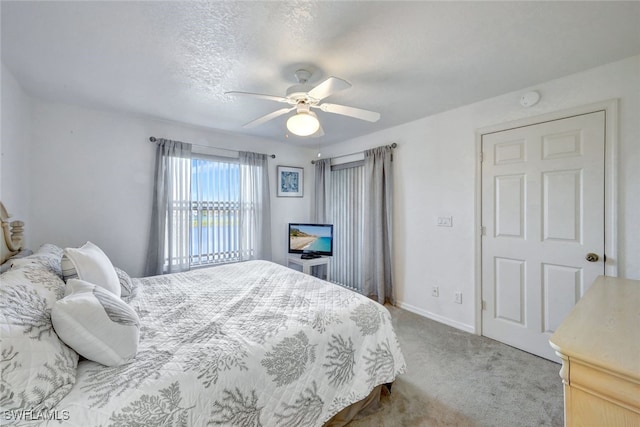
<point>406,60</point>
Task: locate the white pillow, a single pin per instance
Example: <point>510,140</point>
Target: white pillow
<point>97,324</point>
<point>126,284</point>
<point>92,265</point>
<point>38,369</point>
<point>67,268</point>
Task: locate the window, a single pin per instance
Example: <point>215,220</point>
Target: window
<point>358,198</point>
<point>207,210</point>
<point>215,211</point>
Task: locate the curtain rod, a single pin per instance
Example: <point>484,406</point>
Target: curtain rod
<point>394,145</point>
<point>153,139</point>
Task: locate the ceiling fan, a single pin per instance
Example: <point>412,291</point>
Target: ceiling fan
<point>303,98</point>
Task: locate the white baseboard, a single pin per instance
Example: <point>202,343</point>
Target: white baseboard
<point>436,317</point>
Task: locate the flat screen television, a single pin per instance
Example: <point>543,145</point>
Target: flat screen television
<point>311,240</point>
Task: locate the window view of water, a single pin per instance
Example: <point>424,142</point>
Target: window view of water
<point>215,189</point>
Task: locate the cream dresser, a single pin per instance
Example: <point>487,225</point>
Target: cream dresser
<point>599,343</point>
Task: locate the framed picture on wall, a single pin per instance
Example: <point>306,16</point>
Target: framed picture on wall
<point>290,181</point>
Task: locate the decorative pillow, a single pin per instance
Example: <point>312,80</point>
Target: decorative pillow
<point>47,255</point>
<point>126,284</point>
<point>68,269</point>
<point>38,369</point>
<point>92,265</point>
<point>97,324</point>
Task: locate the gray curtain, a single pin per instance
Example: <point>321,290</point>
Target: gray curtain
<point>322,193</point>
<point>171,210</point>
<point>255,207</point>
<point>378,225</point>
<point>322,204</point>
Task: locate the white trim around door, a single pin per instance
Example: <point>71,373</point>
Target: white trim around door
<point>610,107</point>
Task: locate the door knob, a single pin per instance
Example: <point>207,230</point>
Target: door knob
<point>591,257</point>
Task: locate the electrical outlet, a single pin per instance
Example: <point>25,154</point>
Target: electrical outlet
<point>435,292</point>
<point>458,299</point>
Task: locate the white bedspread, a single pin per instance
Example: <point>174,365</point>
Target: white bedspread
<point>248,344</point>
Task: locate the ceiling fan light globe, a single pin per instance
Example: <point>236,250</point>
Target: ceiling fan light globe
<point>303,124</point>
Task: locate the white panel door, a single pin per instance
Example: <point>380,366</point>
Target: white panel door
<point>542,213</point>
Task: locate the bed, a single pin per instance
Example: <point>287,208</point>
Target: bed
<point>246,344</point>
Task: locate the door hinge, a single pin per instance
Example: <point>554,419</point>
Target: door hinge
<point>483,231</point>
<point>484,305</point>
<point>481,157</point>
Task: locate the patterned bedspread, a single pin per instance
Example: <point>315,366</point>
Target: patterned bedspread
<point>248,344</point>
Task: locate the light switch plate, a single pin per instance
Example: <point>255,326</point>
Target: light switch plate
<point>445,221</point>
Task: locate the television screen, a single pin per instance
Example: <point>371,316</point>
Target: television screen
<point>316,239</point>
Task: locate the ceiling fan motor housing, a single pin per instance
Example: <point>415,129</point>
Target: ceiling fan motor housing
<point>298,92</point>
<point>303,107</point>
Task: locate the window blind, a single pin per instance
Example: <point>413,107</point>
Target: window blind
<point>347,213</point>
<point>215,207</point>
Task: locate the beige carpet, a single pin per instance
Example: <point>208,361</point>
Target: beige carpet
<point>459,379</point>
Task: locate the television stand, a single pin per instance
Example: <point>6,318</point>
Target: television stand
<point>310,256</point>
<point>308,263</point>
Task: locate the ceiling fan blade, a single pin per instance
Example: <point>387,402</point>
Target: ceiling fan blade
<point>266,118</point>
<point>358,113</point>
<point>259,95</point>
<point>327,87</point>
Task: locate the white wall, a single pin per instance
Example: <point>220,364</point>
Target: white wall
<point>92,173</point>
<point>93,179</point>
<point>15,144</point>
<point>435,176</point>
